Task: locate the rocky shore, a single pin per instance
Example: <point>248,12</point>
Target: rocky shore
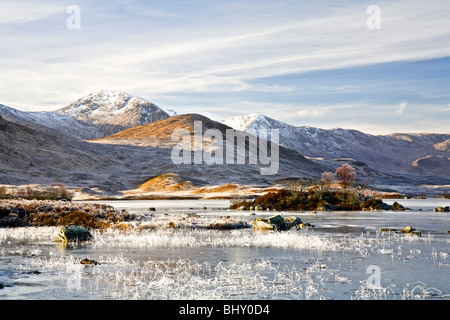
<point>32,213</point>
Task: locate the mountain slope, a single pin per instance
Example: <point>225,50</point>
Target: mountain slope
<point>394,152</point>
<point>97,115</point>
<point>110,112</point>
<point>159,134</point>
<point>29,156</point>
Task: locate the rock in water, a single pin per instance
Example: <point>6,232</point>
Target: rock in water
<point>88,261</point>
<point>397,207</point>
<point>73,233</point>
<point>271,223</point>
<point>277,223</point>
<point>293,222</point>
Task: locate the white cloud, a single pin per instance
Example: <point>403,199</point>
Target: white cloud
<point>220,49</point>
<point>13,12</point>
<point>314,113</point>
<point>401,107</point>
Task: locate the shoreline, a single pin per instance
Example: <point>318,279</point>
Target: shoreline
<point>227,191</point>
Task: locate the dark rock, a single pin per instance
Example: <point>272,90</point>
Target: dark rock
<point>397,207</point>
<point>277,223</point>
<point>35,272</point>
<point>442,209</point>
<point>374,204</point>
<point>73,233</point>
<point>408,231</point>
<point>88,261</point>
<point>293,222</point>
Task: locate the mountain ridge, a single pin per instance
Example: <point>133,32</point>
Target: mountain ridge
<point>45,153</point>
<point>96,115</point>
<point>396,152</point>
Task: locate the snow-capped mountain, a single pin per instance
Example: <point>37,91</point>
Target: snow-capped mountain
<point>97,115</point>
<point>393,152</point>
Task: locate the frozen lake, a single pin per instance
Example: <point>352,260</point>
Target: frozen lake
<point>344,256</point>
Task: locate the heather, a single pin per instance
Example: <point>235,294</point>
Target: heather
<point>22,213</point>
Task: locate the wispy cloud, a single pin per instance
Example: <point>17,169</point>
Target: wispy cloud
<point>19,12</point>
<point>179,49</point>
<point>401,107</point>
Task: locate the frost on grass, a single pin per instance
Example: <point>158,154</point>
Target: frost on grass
<point>124,279</point>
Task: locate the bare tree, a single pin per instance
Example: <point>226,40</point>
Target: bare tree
<point>327,178</point>
<point>346,175</point>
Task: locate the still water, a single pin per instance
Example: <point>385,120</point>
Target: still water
<point>343,256</point>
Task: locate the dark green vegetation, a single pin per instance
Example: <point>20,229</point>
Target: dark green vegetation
<point>285,200</point>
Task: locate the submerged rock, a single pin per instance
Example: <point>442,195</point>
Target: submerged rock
<point>88,261</point>
<point>73,233</point>
<point>408,231</point>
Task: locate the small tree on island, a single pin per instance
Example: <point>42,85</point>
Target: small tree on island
<point>327,178</point>
<point>346,175</point>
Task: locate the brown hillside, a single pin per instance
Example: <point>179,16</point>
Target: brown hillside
<point>168,182</point>
<point>159,133</point>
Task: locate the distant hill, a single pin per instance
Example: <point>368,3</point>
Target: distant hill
<point>110,141</point>
<point>97,115</point>
<point>394,152</point>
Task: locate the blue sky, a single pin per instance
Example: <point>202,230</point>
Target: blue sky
<point>313,63</point>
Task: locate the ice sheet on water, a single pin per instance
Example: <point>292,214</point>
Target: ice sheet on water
<point>123,278</point>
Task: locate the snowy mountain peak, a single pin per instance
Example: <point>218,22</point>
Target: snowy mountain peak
<point>113,111</point>
<point>106,101</point>
<point>254,122</point>
<point>96,115</point>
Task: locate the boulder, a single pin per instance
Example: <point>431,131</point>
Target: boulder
<point>88,261</point>
<point>410,231</point>
<point>73,233</point>
<point>293,222</point>
<point>371,204</point>
<point>260,225</point>
<point>397,207</point>
<point>442,209</point>
<point>277,223</point>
